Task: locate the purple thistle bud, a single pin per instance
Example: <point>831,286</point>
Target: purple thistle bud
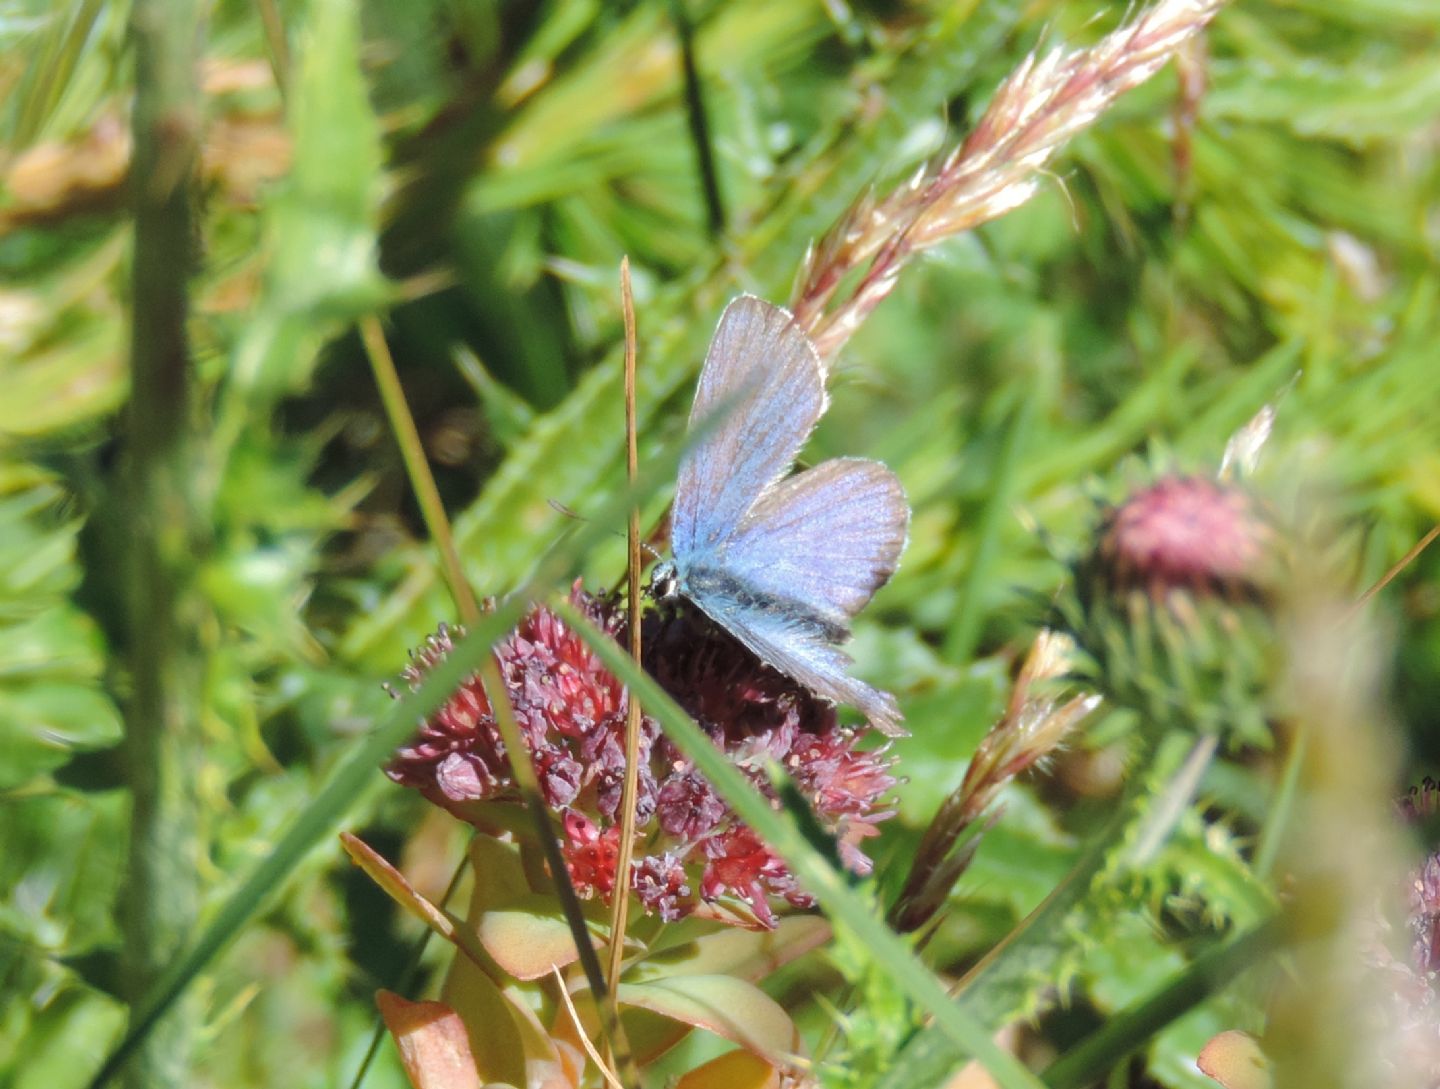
<point>1171,608</point>
<point>1185,533</point>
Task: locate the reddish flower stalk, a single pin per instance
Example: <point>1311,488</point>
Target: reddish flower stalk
<point>1044,103</point>
<point>1035,724</point>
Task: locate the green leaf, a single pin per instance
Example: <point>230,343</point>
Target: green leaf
<point>59,872</point>
<point>557,128</point>
<point>1129,961</point>
<point>528,938</point>
<point>490,1020</point>
<point>52,658</point>
<point>322,227</point>
<point>62,1042</point>
<point>43,725</point>
<point>56,644</point>
<point>65,386</point>
<point>745,954</point>
<point>1359,103</point>
<point>37,553</point>
<point>729,1007</point>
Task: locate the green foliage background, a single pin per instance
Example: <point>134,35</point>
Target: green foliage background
<point>473,172</point>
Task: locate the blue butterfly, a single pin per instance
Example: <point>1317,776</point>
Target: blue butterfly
<point>781,562</point>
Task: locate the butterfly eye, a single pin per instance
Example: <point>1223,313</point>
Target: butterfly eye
<point>664,583</point>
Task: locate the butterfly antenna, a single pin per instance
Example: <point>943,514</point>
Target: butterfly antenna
<point>564,511</point>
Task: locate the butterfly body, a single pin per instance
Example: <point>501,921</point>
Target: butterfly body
<point>781,562</point>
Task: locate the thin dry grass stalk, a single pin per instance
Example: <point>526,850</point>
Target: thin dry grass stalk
<point>1047,100</point>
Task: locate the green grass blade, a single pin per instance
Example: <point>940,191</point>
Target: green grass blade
<point>1132,1028</point>
<point>965,634</point>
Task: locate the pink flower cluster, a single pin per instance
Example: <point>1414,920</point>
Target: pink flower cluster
<point>691,853</point>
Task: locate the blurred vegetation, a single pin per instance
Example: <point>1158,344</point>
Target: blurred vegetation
<point>472,173</point>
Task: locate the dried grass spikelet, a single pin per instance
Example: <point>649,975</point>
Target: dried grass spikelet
<point>1046,101</point>
<point>1037,720</point>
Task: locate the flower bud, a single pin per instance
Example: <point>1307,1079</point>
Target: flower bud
<point>1171,607</point>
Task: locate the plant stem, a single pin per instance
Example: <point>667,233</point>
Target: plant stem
<point>621,901</point>
<point>164,528</point>
<point>699,121</point>
<point>276,46</point>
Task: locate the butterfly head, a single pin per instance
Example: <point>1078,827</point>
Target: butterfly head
<point>664,582</point>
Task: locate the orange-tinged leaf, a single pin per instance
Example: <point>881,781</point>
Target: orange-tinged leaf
<point>506,1038</point>
<point>731,1008</point>
<point>393,883</point>
<point>432,1040</point>
<point>528,938</point>
<point>1234,1059</point>
<point>733,1070</point>
<point>490,1023</point>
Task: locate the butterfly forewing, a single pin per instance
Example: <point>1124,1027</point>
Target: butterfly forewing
<point>764,382</point>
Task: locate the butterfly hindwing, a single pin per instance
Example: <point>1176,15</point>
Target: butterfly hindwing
<point>805,652</point>
<point>828,537</point>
